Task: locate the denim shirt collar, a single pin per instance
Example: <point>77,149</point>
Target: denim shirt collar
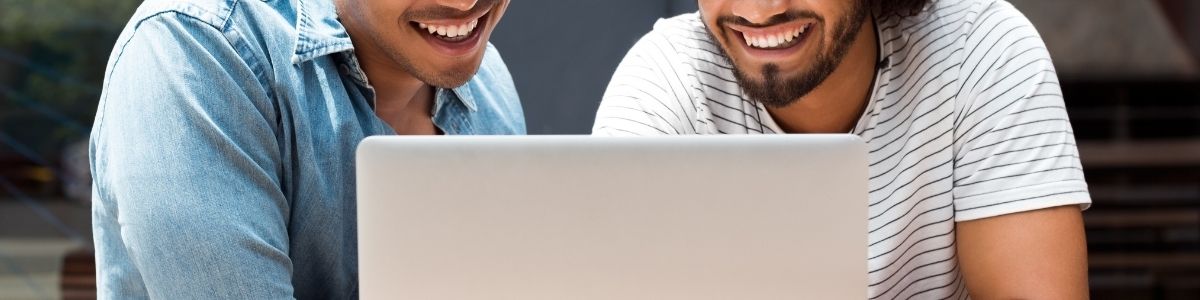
<point>319,31</point>
<point>321,34</point>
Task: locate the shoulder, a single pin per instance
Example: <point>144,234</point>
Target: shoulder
<point>975,43</point>
<point>248,28</point>
<point>681,38</point>
<point>211,13</point>
<point>687,26</point>
<point>168,44</point>
<point>679,51</point>
<point>966,14</point>
<point>975,23</point>
<point>230,19</point>
<point>997,22</point>
<point>218,13</point>
<point>676,40</point>
<point>1001,48</point>
<point>969,24</point>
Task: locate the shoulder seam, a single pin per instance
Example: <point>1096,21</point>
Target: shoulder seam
<point>99,125</point>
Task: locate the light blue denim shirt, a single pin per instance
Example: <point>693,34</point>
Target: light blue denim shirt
<point>223,150</point>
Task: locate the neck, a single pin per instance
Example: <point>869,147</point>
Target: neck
<point>836,105</point>
<point>402,100</point>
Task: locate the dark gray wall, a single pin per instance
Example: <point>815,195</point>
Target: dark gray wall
<point>562,53</point>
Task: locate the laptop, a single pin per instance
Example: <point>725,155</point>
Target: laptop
<point>578,217</point>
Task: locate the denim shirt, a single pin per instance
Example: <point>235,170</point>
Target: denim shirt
<point>223,150</point>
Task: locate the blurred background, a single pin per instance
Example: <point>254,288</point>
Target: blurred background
<point>1128,69</point>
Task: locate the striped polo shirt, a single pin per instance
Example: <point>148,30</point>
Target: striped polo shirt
<point>965,121</point>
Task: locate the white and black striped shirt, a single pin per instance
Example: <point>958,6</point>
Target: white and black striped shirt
<point>966,121</point>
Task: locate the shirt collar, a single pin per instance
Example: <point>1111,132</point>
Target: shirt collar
<point>319,32</point>
<point>349,66</point>
<point>464,95</point>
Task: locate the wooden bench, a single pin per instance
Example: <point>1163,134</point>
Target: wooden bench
<point>78,280</point>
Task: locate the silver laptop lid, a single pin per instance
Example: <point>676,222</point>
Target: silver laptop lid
<point>574,217</point>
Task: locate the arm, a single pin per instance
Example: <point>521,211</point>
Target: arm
<point>1018,182</point>
<point>1038,254</point>
<point>187,168</point>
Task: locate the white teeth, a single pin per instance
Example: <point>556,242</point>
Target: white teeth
<point>451,31</point>
<point>774,40</point>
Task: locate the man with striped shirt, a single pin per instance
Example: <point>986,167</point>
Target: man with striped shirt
<point>975,181</point>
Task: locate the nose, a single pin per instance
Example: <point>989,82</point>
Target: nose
<point>759,11</point>
<point>462,5</point>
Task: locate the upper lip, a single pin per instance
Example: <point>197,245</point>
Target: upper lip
<point>772,29</point>
<point>771,36</point>
<point>456,21</point>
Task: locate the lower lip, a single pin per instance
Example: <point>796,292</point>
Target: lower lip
<point>458,48</point>
<point>772,53</point>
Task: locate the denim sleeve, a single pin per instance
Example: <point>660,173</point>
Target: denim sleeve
<point>188,201</point>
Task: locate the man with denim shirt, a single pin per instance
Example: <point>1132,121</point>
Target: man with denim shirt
<point>224,141</point>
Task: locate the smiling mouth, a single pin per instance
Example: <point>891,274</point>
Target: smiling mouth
<point>458,31</point>
<point>773,39</point>
<point>450,33</point>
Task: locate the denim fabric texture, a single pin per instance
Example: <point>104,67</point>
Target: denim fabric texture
<point>223,150</point>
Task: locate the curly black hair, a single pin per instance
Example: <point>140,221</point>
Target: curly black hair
<point>903,8</point>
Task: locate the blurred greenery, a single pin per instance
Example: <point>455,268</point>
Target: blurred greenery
<point>52,59</point>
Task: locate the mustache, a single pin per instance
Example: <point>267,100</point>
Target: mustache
<point>442,12</point>
<point>785,17</point>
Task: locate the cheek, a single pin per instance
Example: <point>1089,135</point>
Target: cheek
<point>709,10</point>
<point>499,13</point>
<point>387,18</point>
<point>709,5</point>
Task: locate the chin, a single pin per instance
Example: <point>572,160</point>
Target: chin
<point>452,78</point>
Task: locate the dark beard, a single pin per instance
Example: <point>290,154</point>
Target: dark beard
<point>774,91</point>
